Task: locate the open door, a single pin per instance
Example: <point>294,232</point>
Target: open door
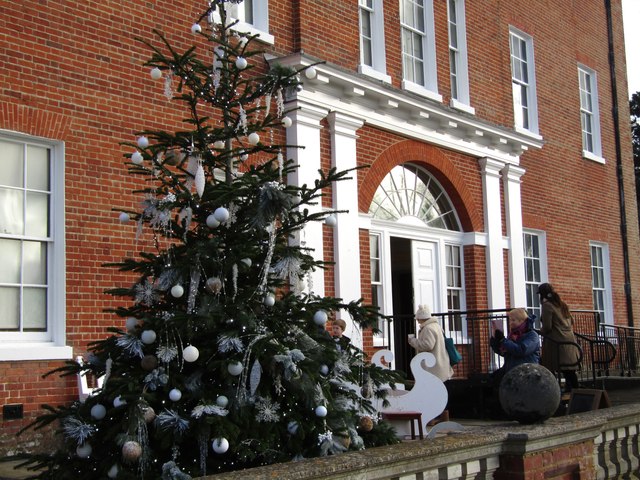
<point>424,267</point>
<point>415,282</point>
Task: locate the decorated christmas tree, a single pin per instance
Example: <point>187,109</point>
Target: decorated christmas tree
<point>220,358</point>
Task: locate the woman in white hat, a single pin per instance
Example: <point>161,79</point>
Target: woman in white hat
<point>431,339</point>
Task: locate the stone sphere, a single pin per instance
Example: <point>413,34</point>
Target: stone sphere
<point>529,393</point>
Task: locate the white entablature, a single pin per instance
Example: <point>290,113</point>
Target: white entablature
<point>406,113</point>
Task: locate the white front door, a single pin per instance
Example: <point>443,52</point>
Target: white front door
<point>424,267</point>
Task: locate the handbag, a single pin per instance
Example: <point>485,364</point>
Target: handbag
<point>452,351</point>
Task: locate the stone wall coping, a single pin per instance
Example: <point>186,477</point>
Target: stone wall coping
<point>473,443</point>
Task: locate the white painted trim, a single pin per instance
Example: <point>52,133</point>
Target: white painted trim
<point>532,95</point>
<point>511,176</point>
<point>346,235</point>
<point>305,132</point>
<point>370,72</point>
<point>496,298</point>
<point>52,344</point>
<point>463,102</point>
<point>34,351</point>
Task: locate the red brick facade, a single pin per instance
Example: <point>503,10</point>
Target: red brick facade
<point>72,72</point>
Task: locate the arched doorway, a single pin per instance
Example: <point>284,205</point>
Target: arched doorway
<point>416,253</point>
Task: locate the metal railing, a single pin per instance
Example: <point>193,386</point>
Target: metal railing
<point>603,348</point>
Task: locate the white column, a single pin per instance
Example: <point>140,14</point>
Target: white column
<point>346,239</point>
<point>493,227</point>
<point>513,212</point>
<point>305,132</point>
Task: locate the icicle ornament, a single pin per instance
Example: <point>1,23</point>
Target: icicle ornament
<point>199,178</point>
<point>168,85</point>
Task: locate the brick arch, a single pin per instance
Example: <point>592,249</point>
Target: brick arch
<point>33,121</point>
<point>438,164</point>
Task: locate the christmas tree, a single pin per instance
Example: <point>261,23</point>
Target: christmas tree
<point>221,360</point>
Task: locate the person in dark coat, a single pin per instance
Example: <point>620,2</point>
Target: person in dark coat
<point>522,345</point>
<point>557,327</point>
<point>342,341</point>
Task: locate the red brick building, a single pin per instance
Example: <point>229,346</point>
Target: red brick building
<point>495,135</point>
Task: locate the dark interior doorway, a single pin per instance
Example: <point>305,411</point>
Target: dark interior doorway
<point>402,285</point>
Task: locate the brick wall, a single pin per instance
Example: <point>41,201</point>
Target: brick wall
<point>72,71</point>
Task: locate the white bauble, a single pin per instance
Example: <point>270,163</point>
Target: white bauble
<point>84,450</point>
<point>148,337</point>
<point>246,261</point>
<point>131,451</point>
<point>124,217</point>
<point>244,156</point>
<point>119,401</point>
<point>241,63</point>
<point>321,411</point>
<point>222,401</point>
<point>143,142</point>
<point>177,291</point>
<point>221,214</point>
<point>137,158</point>
<point>218,144</point>
<point>320,317</point>
<point>286,122</point>
<point>196,28</point>
<point>310,73</point>
<point>131,323</point>
<point>253,138</point>
<point>98,411</point>
<point>324,370</point>
<point>296,198</point>
<point>156,73</point>
<point>220,445</point>
<point>190,354</point>
<point>292,427</point>
<point>269,300</point>
<point>212,222</point>
<point>234,368</point>
<point>331,221</point>
<point>113,471</point>
<point>175,395</point>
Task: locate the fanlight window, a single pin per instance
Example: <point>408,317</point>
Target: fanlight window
<point>408,193</point>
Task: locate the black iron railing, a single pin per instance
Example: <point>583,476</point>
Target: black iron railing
<point>604,349</point>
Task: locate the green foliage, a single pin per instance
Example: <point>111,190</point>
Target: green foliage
<point>225,274</point>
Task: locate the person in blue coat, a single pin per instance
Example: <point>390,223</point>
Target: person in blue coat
<point>521,345</point>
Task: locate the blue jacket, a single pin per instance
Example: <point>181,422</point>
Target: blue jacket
<point>525,350</point>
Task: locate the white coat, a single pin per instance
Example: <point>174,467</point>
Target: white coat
<point>431,339</point>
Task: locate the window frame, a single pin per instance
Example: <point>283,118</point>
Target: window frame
<point>458,331</point>
<point>260,24</point>
<point>458,58</point>
<point>52,344</point>
<point>595,153</point>
<point>429,88</point>
<point>606,287</point>
<point>381,339</point>
<point>533,305</point>
<point>378,67</point>
<point>531,125</point>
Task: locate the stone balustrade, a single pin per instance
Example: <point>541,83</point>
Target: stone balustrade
<point>601,444</point>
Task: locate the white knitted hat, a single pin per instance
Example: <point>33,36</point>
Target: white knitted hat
<point>423,312</point>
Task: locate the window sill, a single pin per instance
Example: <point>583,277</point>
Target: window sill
<point>458,105</point>
<point>420,90</point>
<point>592,156</point>
<point>34,351</point>
<point>528,133</point>
<point>373,73</point>
<point>263,36</point>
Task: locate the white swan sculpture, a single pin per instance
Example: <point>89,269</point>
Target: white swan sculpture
<point>428,396</point>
